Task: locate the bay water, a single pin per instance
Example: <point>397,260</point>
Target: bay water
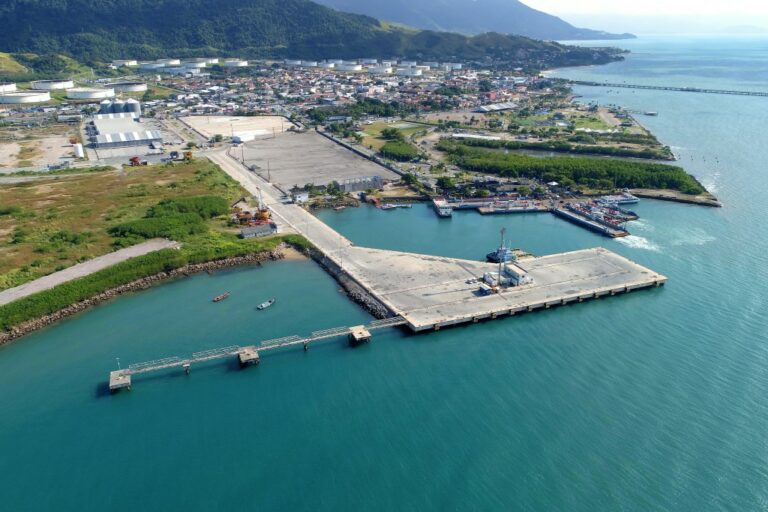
<point>657,400</point>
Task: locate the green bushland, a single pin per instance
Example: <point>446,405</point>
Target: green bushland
<point>595,173</point>
<point>560,146</point>
<point>173,218</point>
<point>400,151</point>
<point>209,247</point>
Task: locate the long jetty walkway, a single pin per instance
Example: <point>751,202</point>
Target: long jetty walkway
<point>668,88</point>
<point>248,355</point>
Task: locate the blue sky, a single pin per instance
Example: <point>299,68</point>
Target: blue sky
<point>684,16</point>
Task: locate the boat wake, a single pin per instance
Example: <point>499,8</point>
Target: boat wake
<point>695,236</point>
<point>638,242</point>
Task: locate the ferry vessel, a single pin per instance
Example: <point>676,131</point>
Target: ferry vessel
<point>442,208</point>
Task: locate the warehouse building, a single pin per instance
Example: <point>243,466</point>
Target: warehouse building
<point>120,130</point>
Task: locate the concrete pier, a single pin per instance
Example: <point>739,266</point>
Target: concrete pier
<point>359,334</point>
<point>248,356</point>
<point>431,291</point>
<point>119,379</point>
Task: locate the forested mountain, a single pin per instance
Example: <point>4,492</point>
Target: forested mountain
<point>100,30</point>
<point>472,17</point>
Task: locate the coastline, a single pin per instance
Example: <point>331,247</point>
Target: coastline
<point>282,252</point>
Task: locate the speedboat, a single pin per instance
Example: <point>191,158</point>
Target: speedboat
<point>265,305</point>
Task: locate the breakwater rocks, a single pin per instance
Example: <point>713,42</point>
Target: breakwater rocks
<point>354,291</point>
<point>140,284</point>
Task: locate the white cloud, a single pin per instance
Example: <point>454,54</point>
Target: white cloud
<point>708,8</point>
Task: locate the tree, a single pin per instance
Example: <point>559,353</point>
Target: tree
<point>445,183</point>
<point>218,137</point>
<point>409,179</point>
<point>392,134</point>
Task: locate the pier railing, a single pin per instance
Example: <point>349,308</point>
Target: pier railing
<point>121,378</point>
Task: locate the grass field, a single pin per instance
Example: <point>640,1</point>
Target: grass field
<point>372,132</point>
<point>50,224</point>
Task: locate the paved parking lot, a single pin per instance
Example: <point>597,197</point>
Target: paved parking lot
<point>300,158</point>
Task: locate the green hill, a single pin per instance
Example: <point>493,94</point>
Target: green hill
<point>93,31</point>
<point>472,17</point>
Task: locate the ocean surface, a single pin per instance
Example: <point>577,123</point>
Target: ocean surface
<point>653,401</point>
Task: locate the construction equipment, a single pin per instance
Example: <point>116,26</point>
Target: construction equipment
<point>135,161</point>
<point>187,156</point>
<point>263,214</point>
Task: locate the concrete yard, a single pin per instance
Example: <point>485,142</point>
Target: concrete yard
<point>259,126</point>
<point>431,291</point>
<point>301,158</point>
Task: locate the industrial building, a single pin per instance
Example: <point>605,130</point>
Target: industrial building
<point>359,184</point>
<point>120,130</point>
<point>496,107</point>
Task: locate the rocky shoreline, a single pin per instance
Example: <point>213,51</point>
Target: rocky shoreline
<point>140,284</point>
<point>353,290</point>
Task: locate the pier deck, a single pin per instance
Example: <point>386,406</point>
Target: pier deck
<point>431,292</point>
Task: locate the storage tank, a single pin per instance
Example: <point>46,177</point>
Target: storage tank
<point>16,98</point>
<point>89,93</point>
<point>169,62</point>
<point>51,85</point>
<point>118,107</point>
<point>235,63</point>
<point>133,107</point>
<point>105,107</point>
<point>292,62</point>
<point>128,86</point>
<point>79,153</point>
<point>195,65</point>
<point>131,63</point>
<point>151,66</point>
<point>7,87</point>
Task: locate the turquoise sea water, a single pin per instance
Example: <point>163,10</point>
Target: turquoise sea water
<point>657,400</point>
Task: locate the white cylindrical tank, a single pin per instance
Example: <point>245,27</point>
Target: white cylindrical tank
<point>105,107</point>
<point>309,63</point>
<point>52,85</point>
<point>195,65</point>
<point>327,65</point>
<point>408,72</point>
<point>7,87</point>
<point>127,62</point>
<point>349,67</point>
<point>128,86</point>
<point>335,61</point>
<point>79,153</point>
<point>292,62</point>
<point>16,98</point>
<point>407,63</point>
<point>169,62</point>
<point>380,70</point>
<point>151,66</point>
<point>235,63</point>
<point>90,93</point>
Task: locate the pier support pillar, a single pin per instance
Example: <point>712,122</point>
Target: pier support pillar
<point>248,356</point>
<point>358,334</point>
<point>187,368</point>
<point>306,346</point>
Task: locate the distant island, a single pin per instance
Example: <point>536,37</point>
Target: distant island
<point>112,29</point>
<point>473,17</point>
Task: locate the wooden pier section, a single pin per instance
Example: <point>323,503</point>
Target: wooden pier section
<point>249,355</point>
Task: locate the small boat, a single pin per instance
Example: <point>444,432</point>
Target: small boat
<point>388,206</point>
<point>221,297</point>
<point>339,208</point>
<point>265,305</point>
